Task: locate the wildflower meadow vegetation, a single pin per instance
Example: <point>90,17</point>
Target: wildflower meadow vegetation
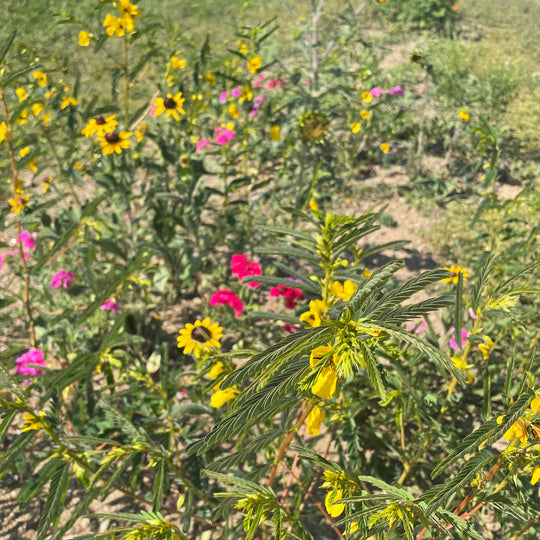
<point>208,328</point>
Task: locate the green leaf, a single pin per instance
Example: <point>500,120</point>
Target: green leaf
<point>157,486</point>
<point>6,45</point>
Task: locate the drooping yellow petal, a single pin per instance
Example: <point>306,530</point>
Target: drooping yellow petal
<point>326,382</point>
<point>314,421</point>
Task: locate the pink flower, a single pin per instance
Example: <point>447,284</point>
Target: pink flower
<point>3,258</point>
<point>472,314</point>
<point>153,110</point>
<point>397,91</point>
<point>236,92</point>
<point>291,295</point>
<point>376,92</point>
<point>227,297</point>
<point>289,328</point>
<point>241,266</point>
<point>223,135</point>
<point>276,82</point>
<point>223,97</point>
<point>110,305</point>
<point>453,343</point>
<point>62,279</point>
<point>32,357</point>
<point>203,143</point>
<point>27,239</point>
<point>420,328</point>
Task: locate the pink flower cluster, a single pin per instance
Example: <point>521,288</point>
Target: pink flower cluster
<point>32,357</point>
<point>223,135</point>
<point>227,297</point>
<point>257,102</point>
<point>62,278</point>
<point>110,305</point>
<point>203,143</point>
<point>241,266</point>
<point>292,296</point>
<point>276,83</point>
<point>27,240</point>
<point>396,91</point>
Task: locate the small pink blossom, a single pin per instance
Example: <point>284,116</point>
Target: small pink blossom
<point>62,279</point>
<point>397,91</point>
<point>110,305</point>
<point>377,92</point>
<point>203,143</point>
<point>153,110</point>
<point>453,343</point>
<point>223,135</point>
<point>472,314</point>
<point>3,258</point>
<point>241,266</point>
<point>27,239</point>
<point>236,92</point>
<point>28,359</point>
<point>227,297</point>
<point>421,327</point>
<point>223,97</point>
<point>291,295</point>
<point>258,82</point>
<point>290,329</point>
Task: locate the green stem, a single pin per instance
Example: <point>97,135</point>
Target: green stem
<point>126,81</point>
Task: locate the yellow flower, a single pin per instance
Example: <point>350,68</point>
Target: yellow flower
<point>200,336</point>
<point>32,422</point>
<point>68,102</point>
<point>254,64</point>
<point>455,271</point>
<point>3,131</point>
<point>128,9</point>
<point>41,78</point>
<point>139,131</point>
<point>313,316</point>
<point>464,115</point>
<point>20,202</point>
<point>364,115</point>
<point>178,63</point>
<point>366,96</point>
<point>385,147</point>
<point>46,184</point>
<point>535,405</point>
<point>518,430</point>
<point>117,25</point>
<point>100,126</point>
<point>326,382</point>
<point>330,501</point>
<point>354,527</point>
<point>37,108</point>
<point>275,133</point>
<point>49,94</point>
<point>32,165</point>
<point>246,95</point>
<point>314,421</point>
<point>24,151</point>
<point>84,38</point>
<point>344,291</point>
<point>184,161</point>
<point>78,165</point>
<point>535,475</point>
<point>356,127</point>
<point>486,347</point>
<point>170,105</point>
<point>461,363</point>
<point>114,141</point>
<point>216,370</point>
<point>210,79</point>
<point>313,205</point>
<point>220,397</point>
<point>46,119</point>
<point>23,118</point>
<point>366,273</point>
<point>22,94</point>
<point>233,110</point>
<point>243,47</point>
<point>317,354</point>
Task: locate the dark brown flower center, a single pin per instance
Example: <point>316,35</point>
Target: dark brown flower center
<point>200,334</point>
<point>112,137</point>
<point>169,103</point>
<point>100,120</point>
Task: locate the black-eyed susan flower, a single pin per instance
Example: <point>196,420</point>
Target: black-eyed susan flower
<point>199,337</point>
<point>171,106</point>
<point>84,39</point>
<point>100,126</point>
<point>314,421</point>
<point>41,78</point>
<point>454,274</point>
<point>19,202</point>
<point>115,141</point>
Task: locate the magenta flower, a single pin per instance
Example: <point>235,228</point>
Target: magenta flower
<point>227,297</point>
<point>453,343</point>
<point>377,92</point>
<point>153,110</point>
<point>290,329</point>
<point>223,97</point>
<point>27,239</point>
<point>203,143</point>
<point>62,279</point>
<point>223,135</point>
<point>2,259</point>
<point>110,305</point>
<point>236,92</point>
<point>291,295</point>
<point>241,266</point>
<point>422,326</point>
<point>397,91</point>
<point>28,359</point>
<point>258,82</point>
